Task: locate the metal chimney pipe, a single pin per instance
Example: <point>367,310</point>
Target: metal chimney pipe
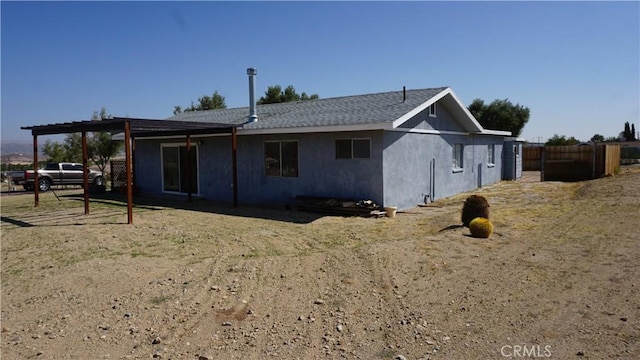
<point>252,95</point>
<point>404,93</point>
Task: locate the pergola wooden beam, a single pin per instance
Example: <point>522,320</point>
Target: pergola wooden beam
<point>133,128</point>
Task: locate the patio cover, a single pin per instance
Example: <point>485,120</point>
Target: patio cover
<point>132,128</point>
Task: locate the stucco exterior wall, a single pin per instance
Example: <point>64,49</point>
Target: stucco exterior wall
<point>319,172</point>
<point>512,160</point>
<point>147,168</point>
<point>443,120</point>
<point>407,166</point>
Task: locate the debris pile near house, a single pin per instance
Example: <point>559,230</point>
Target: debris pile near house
<point>337,206</point>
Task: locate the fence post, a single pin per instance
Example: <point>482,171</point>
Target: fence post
<point>593,174</point>
<point>542,160</point>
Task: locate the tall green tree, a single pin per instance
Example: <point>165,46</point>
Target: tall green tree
<point>54,151</point>
<point>205,102</point>
<point>633,133</point>
<point>557,140</point>
<point>500,115</point>
<point>275,94</point>
<point>101,148</point>
<point>627,132</point>
<point>73,147</point>
<point>597,138</point>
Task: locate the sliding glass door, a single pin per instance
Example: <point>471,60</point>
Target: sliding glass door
<point>174,168</point>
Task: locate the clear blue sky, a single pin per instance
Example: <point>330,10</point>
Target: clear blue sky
<point>576,65</point>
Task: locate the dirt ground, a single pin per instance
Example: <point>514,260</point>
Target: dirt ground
<point>558,279</point>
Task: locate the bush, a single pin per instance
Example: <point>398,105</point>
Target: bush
<point>481,227</point>
<point>475,206</point>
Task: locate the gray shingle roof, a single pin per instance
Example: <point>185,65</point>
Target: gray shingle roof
<point>345,110</point>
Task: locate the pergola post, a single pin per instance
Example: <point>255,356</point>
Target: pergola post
<point>234,165</point>
<point>36,185</point>
<point>188,168</point>
<point>85,173</point>
<point>127,151</point>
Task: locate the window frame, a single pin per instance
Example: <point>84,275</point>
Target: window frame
<point>432,110</point>
<point>458,157</point>
<point>352,152</point>
<point>281,172</point>
<point>491,155</point>
<point>179,176</point>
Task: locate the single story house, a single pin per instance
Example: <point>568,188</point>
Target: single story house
<point>399,148</point>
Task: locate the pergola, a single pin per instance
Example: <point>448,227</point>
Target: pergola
<point>132,129</point>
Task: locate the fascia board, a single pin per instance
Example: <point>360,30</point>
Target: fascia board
<point>431,132</point>
<point>315,129</point>
<point>495,132</point>
<point>298,130</point>
<point>471,118</point>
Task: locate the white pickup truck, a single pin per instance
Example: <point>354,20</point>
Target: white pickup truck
<point>61,174</point>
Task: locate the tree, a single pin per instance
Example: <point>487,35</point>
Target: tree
<point>54,151</point>
<point>633,132</point>
<point>275,94</point>
<point>500,115</point>
<point>627,132</point>
<point>206,102</point>
<point>73,147</point>
<point>100,147</point>
<point>557,140</point>
<point>597,138</point>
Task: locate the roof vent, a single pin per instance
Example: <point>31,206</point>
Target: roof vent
<point>252,72</point>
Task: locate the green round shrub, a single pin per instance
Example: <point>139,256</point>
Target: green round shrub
<point>481,227</point>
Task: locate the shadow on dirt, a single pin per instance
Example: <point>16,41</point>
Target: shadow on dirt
<point>279,213</point>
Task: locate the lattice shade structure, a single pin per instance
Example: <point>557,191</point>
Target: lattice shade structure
<point>132,128</point>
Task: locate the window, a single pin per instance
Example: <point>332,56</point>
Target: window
<point>281,158</point>
<point>353,149</point>
<point>458,152</point>
<point>174,168</point>
<point>432,110</point>
<point>491,159</point>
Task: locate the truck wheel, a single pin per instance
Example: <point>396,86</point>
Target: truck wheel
<point>45,184</point>
<point>98,181</point>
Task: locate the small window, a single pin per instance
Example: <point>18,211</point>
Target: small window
<point>353,149</point>
<point>67,167</point>
<point>52,166</point>
<point>343,149</point>
<point>281,158</point>
<point>458,152</point>
<point>432,110</point>
<point>491,159</point>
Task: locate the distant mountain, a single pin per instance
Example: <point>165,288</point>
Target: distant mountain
<point>16,149</point>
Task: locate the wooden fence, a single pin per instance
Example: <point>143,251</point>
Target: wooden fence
<point>578,162</point>
<point>531,156</point>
